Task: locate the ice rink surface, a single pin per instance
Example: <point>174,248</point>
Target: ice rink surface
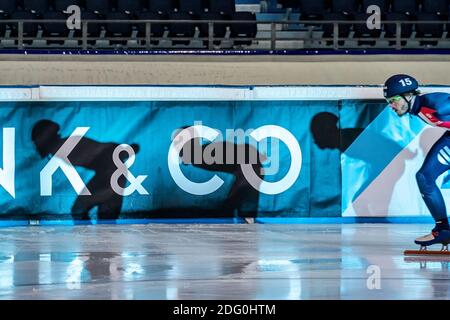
<point>219,261</point>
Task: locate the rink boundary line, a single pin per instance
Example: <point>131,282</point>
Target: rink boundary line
<point>346,220</point>
<point>306,220</point>
<point>19,223</point>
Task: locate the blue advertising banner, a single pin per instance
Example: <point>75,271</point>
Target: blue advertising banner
<point>122,152</point>
<point>122,159</point>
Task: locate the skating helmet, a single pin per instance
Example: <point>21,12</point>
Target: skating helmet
<point>399,84</point>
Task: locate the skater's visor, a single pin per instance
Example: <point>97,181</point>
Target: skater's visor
<point>394,99</point>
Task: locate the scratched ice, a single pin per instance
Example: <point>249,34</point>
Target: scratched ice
<point>201,261</point>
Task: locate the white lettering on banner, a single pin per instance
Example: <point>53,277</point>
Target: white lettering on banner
<point>61,160</point>
<point>173,161</point>
<point>122,170</point>
<point>200,131</point>
<point>7,173</point>
<point>294,169</point>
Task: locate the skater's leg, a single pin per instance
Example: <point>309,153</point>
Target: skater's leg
<point>436,162</point>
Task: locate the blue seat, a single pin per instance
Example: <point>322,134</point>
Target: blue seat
<point>29,29</point>
<point>222,6</point>
<point>130,6</point>
<point>429,30</point>
<point>289,3</point>
<point>409,7</point>
<point>436,6</point>
<point>118,29</point>
<point>8,6</point>
<point>345,6</point>
<point>156,29</point>
<point>383,4</point>
<point>98,6</point>
<point>2,27</point>
<point>219,29</point>
<point>243,30</point>
<point>391,29</point>
<point>161,6</point>
<point>312,10</point>
<point>62,5</point>
<point>93,29</point>
<point>328,28</point>
<point>55,28</point>
<point>317,7</point>
<point>192,6</point>
<point>38,6</point>
<point>181,30</point>
<point>361,30</point>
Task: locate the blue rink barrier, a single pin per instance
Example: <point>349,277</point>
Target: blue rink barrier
<point>345,220</point>
<point>358,178</point>
<point>21,223</point>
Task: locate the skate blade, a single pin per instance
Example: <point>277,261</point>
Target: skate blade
<point>426,253</point>
<point>427,258</point>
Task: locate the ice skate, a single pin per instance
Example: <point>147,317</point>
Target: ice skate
<point>435,237</point>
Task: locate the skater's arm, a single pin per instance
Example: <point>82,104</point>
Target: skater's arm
<point>435,109</point>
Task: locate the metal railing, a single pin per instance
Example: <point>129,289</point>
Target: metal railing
<point>310,34</point>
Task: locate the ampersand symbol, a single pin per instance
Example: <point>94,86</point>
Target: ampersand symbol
<point>122,170</point>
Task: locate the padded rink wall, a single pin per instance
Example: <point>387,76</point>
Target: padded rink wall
<point>358,159</point>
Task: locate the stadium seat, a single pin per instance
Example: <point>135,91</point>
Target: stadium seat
<point>8,6</point>
<point>361,30</point>
<point>391,29</point>
<point>404,6</point>
<point>98,6</point>
<point>192,6</point>
<point>436,6</point>
<point>312,10</point>
<point>29,29</point>
<point>55,29</point>
<point>243,30</point>
<point>383,4</point>
<point>156,29</point>
<point>37,6</point>
<point>129,6</point>
<point>429,30</point>
<point>308,7</point>
<point>181,30</point>
<point>328,28</point>
<point>222,6</point>
<point>345,6</point>
<point>161,6</point>
<point>118,29</point>
<point>2,27</point>
<point>62,5</point>
<point>93,29</point>
<point>220,29</point>
<point>289,3</point>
